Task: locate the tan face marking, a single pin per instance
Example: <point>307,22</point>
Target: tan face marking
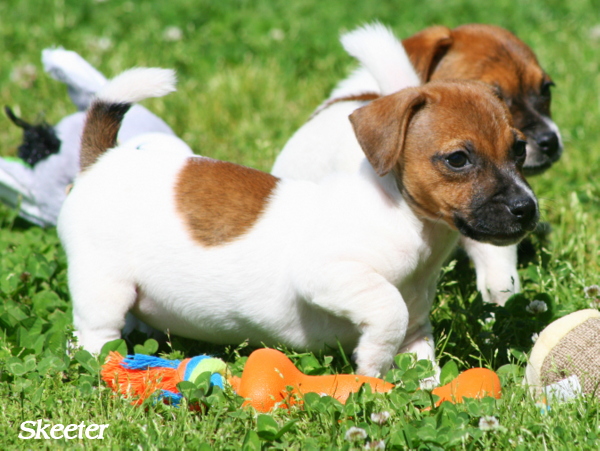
<point>475,52</point>
<point>221,201</point>
<point>417,132</point>
<point>464,117</point>
<point>493,55</point>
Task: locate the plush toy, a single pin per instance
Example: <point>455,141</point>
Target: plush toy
<point>48,159</point>
<point>565,360</point>
<point>269,380</point>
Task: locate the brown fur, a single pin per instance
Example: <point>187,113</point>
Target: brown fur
<point>411,132</point>
<point>100,131</point>
<point>426,48</point>
<point>221,201</point>
<point>364,97</point>
<point>481,52</point>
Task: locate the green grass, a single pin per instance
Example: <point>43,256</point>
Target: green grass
<point>251,72</point>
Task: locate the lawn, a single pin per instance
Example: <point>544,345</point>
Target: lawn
<point>250,73</point>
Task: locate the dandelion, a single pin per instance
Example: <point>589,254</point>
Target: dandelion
<point>381,417</point>
<point>172,34</point>
<point>489,423</point>
<point>355,434</point>
<point>593,291</point>
<point>536,307</point>
<point>378,444</point>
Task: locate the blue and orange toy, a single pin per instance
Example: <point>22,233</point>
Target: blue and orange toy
<point>269,380</point>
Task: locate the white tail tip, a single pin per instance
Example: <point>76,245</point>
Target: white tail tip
<point>135,85</point>
<point>382,54</point>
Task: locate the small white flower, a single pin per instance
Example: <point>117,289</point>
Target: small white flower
<point>173,34</point>
<point>595,32</point>
<point>489,423</point>
<point>355,434</point>
<point>381,417</point>
<point>592,291</point>
<point>535,337</point>
<point>101,44</point>
<point>536,307</point>
<point>277,34</point>
<point>104,43</point>
<point>378,444</point>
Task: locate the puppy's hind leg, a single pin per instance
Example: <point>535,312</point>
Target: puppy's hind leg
<point>100,304</point>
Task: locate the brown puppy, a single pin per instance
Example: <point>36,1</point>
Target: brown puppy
<point>495,56</point>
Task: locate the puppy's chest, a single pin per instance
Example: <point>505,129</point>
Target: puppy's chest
<point>420,261</point>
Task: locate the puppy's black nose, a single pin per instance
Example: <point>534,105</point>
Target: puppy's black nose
<point>525,211</point>
<point>548,143</point>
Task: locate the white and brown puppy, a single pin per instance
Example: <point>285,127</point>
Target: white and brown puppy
<point>219,252</point>
<point>327,144</point>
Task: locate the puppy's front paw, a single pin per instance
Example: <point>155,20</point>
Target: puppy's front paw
<point>374,363</point>
<point>499,295</point>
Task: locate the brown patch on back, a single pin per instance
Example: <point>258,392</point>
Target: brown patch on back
<point>221,201</point>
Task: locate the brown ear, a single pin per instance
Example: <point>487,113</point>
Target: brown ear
<point>426,48</point>
<point>381,127</point>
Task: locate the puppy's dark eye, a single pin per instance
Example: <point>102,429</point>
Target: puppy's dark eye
<point>458,160</point>
<point>520,149</point>
<point>545,88</point>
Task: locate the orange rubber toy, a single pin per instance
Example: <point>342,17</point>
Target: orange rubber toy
<point>474,383</point>
<point>268,373</point>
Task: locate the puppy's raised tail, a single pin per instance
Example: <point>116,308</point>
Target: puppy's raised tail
<point>106,113</point>
<point>383,55</point>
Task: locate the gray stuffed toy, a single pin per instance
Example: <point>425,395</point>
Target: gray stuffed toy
<point>48,159</point>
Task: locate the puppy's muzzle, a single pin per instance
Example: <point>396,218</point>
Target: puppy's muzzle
<point>502,219</point>
<point>544,147</point>
<point>549,145</point>
<point>524,211</point>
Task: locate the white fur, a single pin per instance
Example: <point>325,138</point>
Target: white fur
<point>326,144</point>
<point>383,55</point>
<point>343,261</point>
<point>138,84</point>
